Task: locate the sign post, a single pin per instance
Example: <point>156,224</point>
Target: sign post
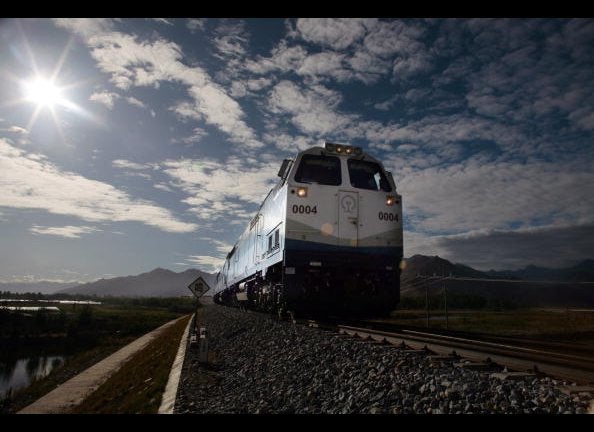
<point>203,346</point>
<point>198,287</point>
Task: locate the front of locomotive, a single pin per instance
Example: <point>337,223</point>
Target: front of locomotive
<point>343,240</point>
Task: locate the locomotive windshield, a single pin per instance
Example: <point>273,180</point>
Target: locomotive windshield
<point>367,175</point>
<point>323,170</point>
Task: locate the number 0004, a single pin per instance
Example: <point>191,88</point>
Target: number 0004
<point>304,209</point>
<point>387,216</point>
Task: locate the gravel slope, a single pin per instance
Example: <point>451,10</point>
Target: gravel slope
<point>261,365</point>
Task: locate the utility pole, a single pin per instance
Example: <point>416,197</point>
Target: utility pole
<point>427,300</point>
<point>445,300</point>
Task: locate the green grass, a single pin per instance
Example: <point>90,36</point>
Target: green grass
<point>116,316</point>
<point>87,336</point>
<point>550,323</point>
<point>73,365</point>
<point>138,386</point>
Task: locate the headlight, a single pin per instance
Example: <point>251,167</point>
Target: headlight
<point>302,192</point>
<point>343,149</point>
<point>390,200</point>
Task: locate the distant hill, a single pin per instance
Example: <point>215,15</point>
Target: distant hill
<point>582,272</point>
<point>533,286</point>
<point>157,283</point>
<point>42,287</point>
<point>435,266</point>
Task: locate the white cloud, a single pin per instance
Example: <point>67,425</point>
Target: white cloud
<point>28,181</point>
<point>196,24</point>
<point>499,249</point>
<point>231,39</point>
<point>473,195</point>
<point>133,101</point>
<point>410,66</point>
<point>197,135</point>
<point>222,189</point>
<point>133,63</point>
<point>120,55</point>
<point>163,187</point>
<point>312,111</point>
<point>86,27</point>
<point>135,167</point>
<point>391,46</point>
<point>210,263</point>
<point>224,112</point>
<point>126,164</point>
<point>163,21</point>
<point>416,243</point>
<point>206,262</point>
<point>221,246</point>
<point>16,130</point>
<point>68,231</point>
<point>343,66</point>
<point>283,58</point>
<point>387,38</point>
<point>289,143</point>
<point>106,98</point>
<point>387,104</point>
<point>259,83</point>
<point>140,63</point>
<point>335,33</point>
<point>551,246</point>
<point>187,110</point>
<point>37,278</point>
<point>368,67</point>
<point>324,64</point>
<point>438,130</point>
<point>356,49</point>
<point>516,75</point>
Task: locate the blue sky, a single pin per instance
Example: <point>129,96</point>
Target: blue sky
<point>160,137</point>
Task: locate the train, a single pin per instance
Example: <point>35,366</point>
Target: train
<point>326,240</point>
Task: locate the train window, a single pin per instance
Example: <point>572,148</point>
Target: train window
<point>324,170</point>
<point>276,239</point>
<point>367,175</point>
<point>269,243</point>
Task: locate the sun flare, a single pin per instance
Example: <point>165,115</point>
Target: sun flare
<point>44,93</point>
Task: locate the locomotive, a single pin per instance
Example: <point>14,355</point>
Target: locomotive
<point>327,239</point>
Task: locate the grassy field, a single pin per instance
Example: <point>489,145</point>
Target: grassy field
<point>551,323</point>
<point>138,386</point>
<point>89,333</point>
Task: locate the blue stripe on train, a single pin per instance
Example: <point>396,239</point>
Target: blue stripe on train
<point>308,246</point>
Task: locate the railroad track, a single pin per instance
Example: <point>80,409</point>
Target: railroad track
<point>510,355</point>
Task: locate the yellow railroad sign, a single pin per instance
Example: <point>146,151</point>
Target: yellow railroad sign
<point>199,286</point>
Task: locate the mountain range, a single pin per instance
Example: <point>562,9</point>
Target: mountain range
<point>421,265</point>
<point>531,286</point>
<point>166,283</point>
<point>43,287</point>
<point>157,283</point>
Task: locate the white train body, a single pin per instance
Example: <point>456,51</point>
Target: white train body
<point>327,237</point>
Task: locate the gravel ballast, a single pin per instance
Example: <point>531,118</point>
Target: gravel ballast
<point>258,364</point>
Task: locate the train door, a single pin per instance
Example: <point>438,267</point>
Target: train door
<point>257,237</point>
<point>348,218</point>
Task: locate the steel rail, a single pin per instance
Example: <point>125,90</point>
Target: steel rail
<point>568,367</point>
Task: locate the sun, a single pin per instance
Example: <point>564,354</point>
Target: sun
<point>46,95</point>
<point>43,93</point>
